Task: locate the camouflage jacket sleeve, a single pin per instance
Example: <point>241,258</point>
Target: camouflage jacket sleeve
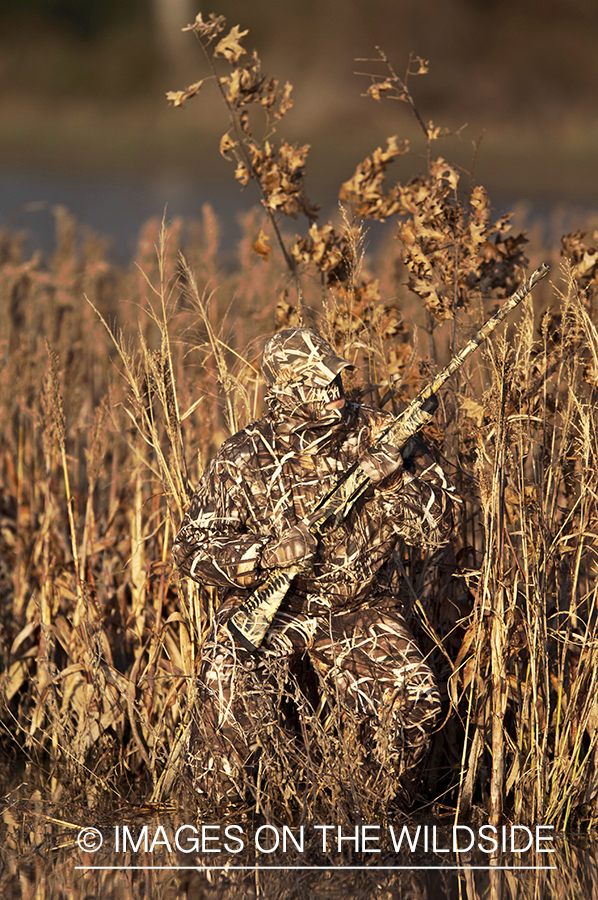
<point>213,544</point>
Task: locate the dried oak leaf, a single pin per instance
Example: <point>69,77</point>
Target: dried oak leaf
<point>242,174</point>
<point>365,189</point>
<point>207,30</point>
<point>400,358</point>
<point>325,249</point>
<point>582,256</point>
<point>479,215</point>
<point>285,102</point>
<point>226,144</point>
<point>414,194</point>
<point>262,245</point>
<point>230,46</point>
<point>245,84</point>
<point>271,96</point>
<point>437,131</point>
<point>441,171</point>
<point>380,87</point>
<point>280,174</point>
<point>177,98</point>
<point>293,157</point>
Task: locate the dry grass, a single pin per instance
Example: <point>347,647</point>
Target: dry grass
<point>108,419</point>
<point>118,386</point>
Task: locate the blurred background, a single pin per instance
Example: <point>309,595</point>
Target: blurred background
<point>84,120</point>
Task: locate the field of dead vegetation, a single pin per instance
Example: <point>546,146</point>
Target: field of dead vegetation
<point>119,384</point>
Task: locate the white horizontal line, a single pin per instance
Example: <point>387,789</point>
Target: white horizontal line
<point>307,868</point>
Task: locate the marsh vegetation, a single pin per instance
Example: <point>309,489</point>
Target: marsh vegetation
<point>118,385</point>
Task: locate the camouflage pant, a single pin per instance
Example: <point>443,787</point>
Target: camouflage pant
<point>323,694</point>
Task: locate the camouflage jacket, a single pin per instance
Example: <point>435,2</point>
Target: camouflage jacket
<point>261,483</point>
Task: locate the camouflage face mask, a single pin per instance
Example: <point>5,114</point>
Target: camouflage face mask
<point>302,373</point>
<point>308,404</point>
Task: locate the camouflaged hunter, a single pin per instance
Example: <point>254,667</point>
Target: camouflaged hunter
<point>341,612</point>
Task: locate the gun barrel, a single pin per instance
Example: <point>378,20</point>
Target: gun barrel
<point>482,334</point>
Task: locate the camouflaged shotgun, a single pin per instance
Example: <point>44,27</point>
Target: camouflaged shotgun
<point>252,620</point>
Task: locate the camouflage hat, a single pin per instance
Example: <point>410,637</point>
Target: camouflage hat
<point>301,354</point>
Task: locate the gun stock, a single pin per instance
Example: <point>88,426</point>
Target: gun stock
<point>253,618</point>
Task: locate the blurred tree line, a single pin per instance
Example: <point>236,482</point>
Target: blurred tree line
<point>506,55</point>
<point>83,18</point>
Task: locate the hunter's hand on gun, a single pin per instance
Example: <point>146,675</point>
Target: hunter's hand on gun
<point>383,461</point>
<point>297,547</point>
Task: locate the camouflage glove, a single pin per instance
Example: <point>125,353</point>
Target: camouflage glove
<point>384,459</point>
<point>296,546</point>
<point>381,461</point>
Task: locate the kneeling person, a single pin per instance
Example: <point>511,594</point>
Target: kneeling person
<point>341,612</point>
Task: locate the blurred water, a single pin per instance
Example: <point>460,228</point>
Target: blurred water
<point>115,206</point>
